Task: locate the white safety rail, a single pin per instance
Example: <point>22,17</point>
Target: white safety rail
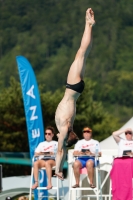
<point>56,188</point>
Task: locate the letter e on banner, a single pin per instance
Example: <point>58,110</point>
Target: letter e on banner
<point>36,133</point>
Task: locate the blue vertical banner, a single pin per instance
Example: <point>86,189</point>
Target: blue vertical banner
<point>33,111</point>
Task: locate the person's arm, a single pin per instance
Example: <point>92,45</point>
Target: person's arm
<point>116,135</point>
<point>77,151</point>
<point>39,154</point>
<point>38,150</point>
<point>119,132</point>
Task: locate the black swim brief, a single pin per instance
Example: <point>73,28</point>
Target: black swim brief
<point>78,87</point>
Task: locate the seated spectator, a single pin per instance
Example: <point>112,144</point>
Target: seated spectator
<point>48,147</point>
<point>124,144</point>
<point>85,146</point>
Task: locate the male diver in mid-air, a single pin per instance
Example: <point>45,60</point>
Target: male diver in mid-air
<point>66,110</point>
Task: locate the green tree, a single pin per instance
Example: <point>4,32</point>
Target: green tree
<point>12,117</point>
<point>49,32</point>
<point>92,113</point>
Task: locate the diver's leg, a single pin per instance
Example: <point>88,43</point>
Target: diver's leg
<point>77,69</point>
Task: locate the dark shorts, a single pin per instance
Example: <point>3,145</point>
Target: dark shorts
<point>48,159</point>
<point>84,161</point>
<point>45,158</point>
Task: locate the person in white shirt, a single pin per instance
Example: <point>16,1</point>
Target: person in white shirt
<point>124,144</point>
<point>48,147</point>
<point>87,147</point>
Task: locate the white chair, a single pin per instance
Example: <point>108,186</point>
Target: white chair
<point>97,190</point>
<point>101,179</point>
<point>56,188</point>
<point>106,166</point>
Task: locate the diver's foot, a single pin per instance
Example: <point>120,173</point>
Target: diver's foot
<point>35,185</point>
<point>90,17</point>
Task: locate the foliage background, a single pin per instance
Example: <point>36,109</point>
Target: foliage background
<point>48,33</point>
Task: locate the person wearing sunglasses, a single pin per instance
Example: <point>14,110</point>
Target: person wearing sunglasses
<point>125,146</point>
<point>85,147</point>
<point>66,110</point>
<point>43,150</point>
